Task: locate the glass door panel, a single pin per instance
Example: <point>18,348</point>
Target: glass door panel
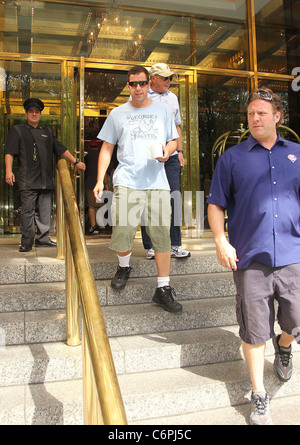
<point>20,80</point>
<point>222,117</point>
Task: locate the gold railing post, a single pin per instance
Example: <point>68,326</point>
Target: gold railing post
<point>91,405</point>
<point>107,389</point>
<point>72,297</point>
<point>60,220</point>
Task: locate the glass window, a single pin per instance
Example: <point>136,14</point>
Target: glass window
<point>217,39</point>
<point>221,44</point>
<point>105,86</point>
<point>20,80</point>
<point>25,79</point>
<point>221,110</point>
<point>277,33</point>
<point>290,100</point>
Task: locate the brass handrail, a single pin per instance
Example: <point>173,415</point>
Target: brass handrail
<point>101,387</point>
<point>222,141</point>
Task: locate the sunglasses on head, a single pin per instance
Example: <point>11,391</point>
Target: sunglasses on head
<point>135,83</point>
<point>262,95</point>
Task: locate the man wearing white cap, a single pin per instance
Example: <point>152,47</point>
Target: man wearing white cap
<point>161,77</point>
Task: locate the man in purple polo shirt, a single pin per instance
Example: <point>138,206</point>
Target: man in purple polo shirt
<point>258,183</point>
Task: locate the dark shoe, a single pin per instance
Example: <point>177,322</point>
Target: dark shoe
<point>261,409</point>
<point>121,277</point>
<point>283,366</point>
<point>46,244</point>
<point>164,297</point>
<point>94,230</point>
<point>25,249</point>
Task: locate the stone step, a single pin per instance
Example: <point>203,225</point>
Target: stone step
<point>39,363</point>
<point>146,318</point>
<point>148,396</point>
<point>149,318</point>
<point>36,363</point>
<point>284,410</point>
<point>187,287</point>
<point>47,270</point>
<point>54,403</point>
<point>42,296</point>
<point>173,392</point>
<point>47,362</point>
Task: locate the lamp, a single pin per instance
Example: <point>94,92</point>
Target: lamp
<point>112,33</point>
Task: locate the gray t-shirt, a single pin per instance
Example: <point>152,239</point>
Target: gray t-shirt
<point>135,130</point>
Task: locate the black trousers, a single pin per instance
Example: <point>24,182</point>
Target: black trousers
<point>35,211</point>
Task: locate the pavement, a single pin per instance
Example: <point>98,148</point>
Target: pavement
<point>96,245</point>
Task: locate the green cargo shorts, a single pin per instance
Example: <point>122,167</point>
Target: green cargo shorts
<point>128,205</point>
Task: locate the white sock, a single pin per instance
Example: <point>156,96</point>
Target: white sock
<point>124,261</point>
<point>163,281</point>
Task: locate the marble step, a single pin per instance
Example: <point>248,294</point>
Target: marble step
<point>36,363</point>
<point>150,397</point>
<point>47,362</point>
<point>42,296</point>
<point>145,318</point>
<point>173,392</point>
<point>46,270</point>
<point>284,410</point>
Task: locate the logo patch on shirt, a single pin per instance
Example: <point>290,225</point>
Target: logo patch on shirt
<point>292,158</point>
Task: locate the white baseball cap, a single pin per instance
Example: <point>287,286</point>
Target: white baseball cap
<point>161,69</point>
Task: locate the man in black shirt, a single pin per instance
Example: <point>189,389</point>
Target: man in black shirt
<point>34,145</point>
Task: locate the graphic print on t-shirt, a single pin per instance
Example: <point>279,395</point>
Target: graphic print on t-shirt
<point>143,126</point>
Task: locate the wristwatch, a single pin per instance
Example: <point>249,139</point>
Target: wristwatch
<point>180,151</point>
<point>76,162</point>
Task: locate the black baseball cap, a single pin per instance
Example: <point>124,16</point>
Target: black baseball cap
<point>33,102</point>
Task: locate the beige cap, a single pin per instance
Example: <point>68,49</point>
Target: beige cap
<point>161,69</point>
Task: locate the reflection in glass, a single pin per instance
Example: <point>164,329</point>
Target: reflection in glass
<point>221,44</point>
<point>103,86</point>
<point>25,79</point>
<point>215,38</point>
<point>221,109</point>
<point>21,80</point>
<point>290,100</point>
<point>277,32</point>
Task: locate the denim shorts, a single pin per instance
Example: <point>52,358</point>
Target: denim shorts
<point>258,287</point>
<point>128,206</point>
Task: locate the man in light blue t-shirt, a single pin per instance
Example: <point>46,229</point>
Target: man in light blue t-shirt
<point>145,134</point>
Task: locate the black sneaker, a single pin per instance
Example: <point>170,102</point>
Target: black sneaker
<point>283,366</point>
<point>25,248</point>
<point>94,230</point>
<point>164,297</point>
<point>121,277</point>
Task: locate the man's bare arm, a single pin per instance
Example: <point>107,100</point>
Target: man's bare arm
<point>226,253</point>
